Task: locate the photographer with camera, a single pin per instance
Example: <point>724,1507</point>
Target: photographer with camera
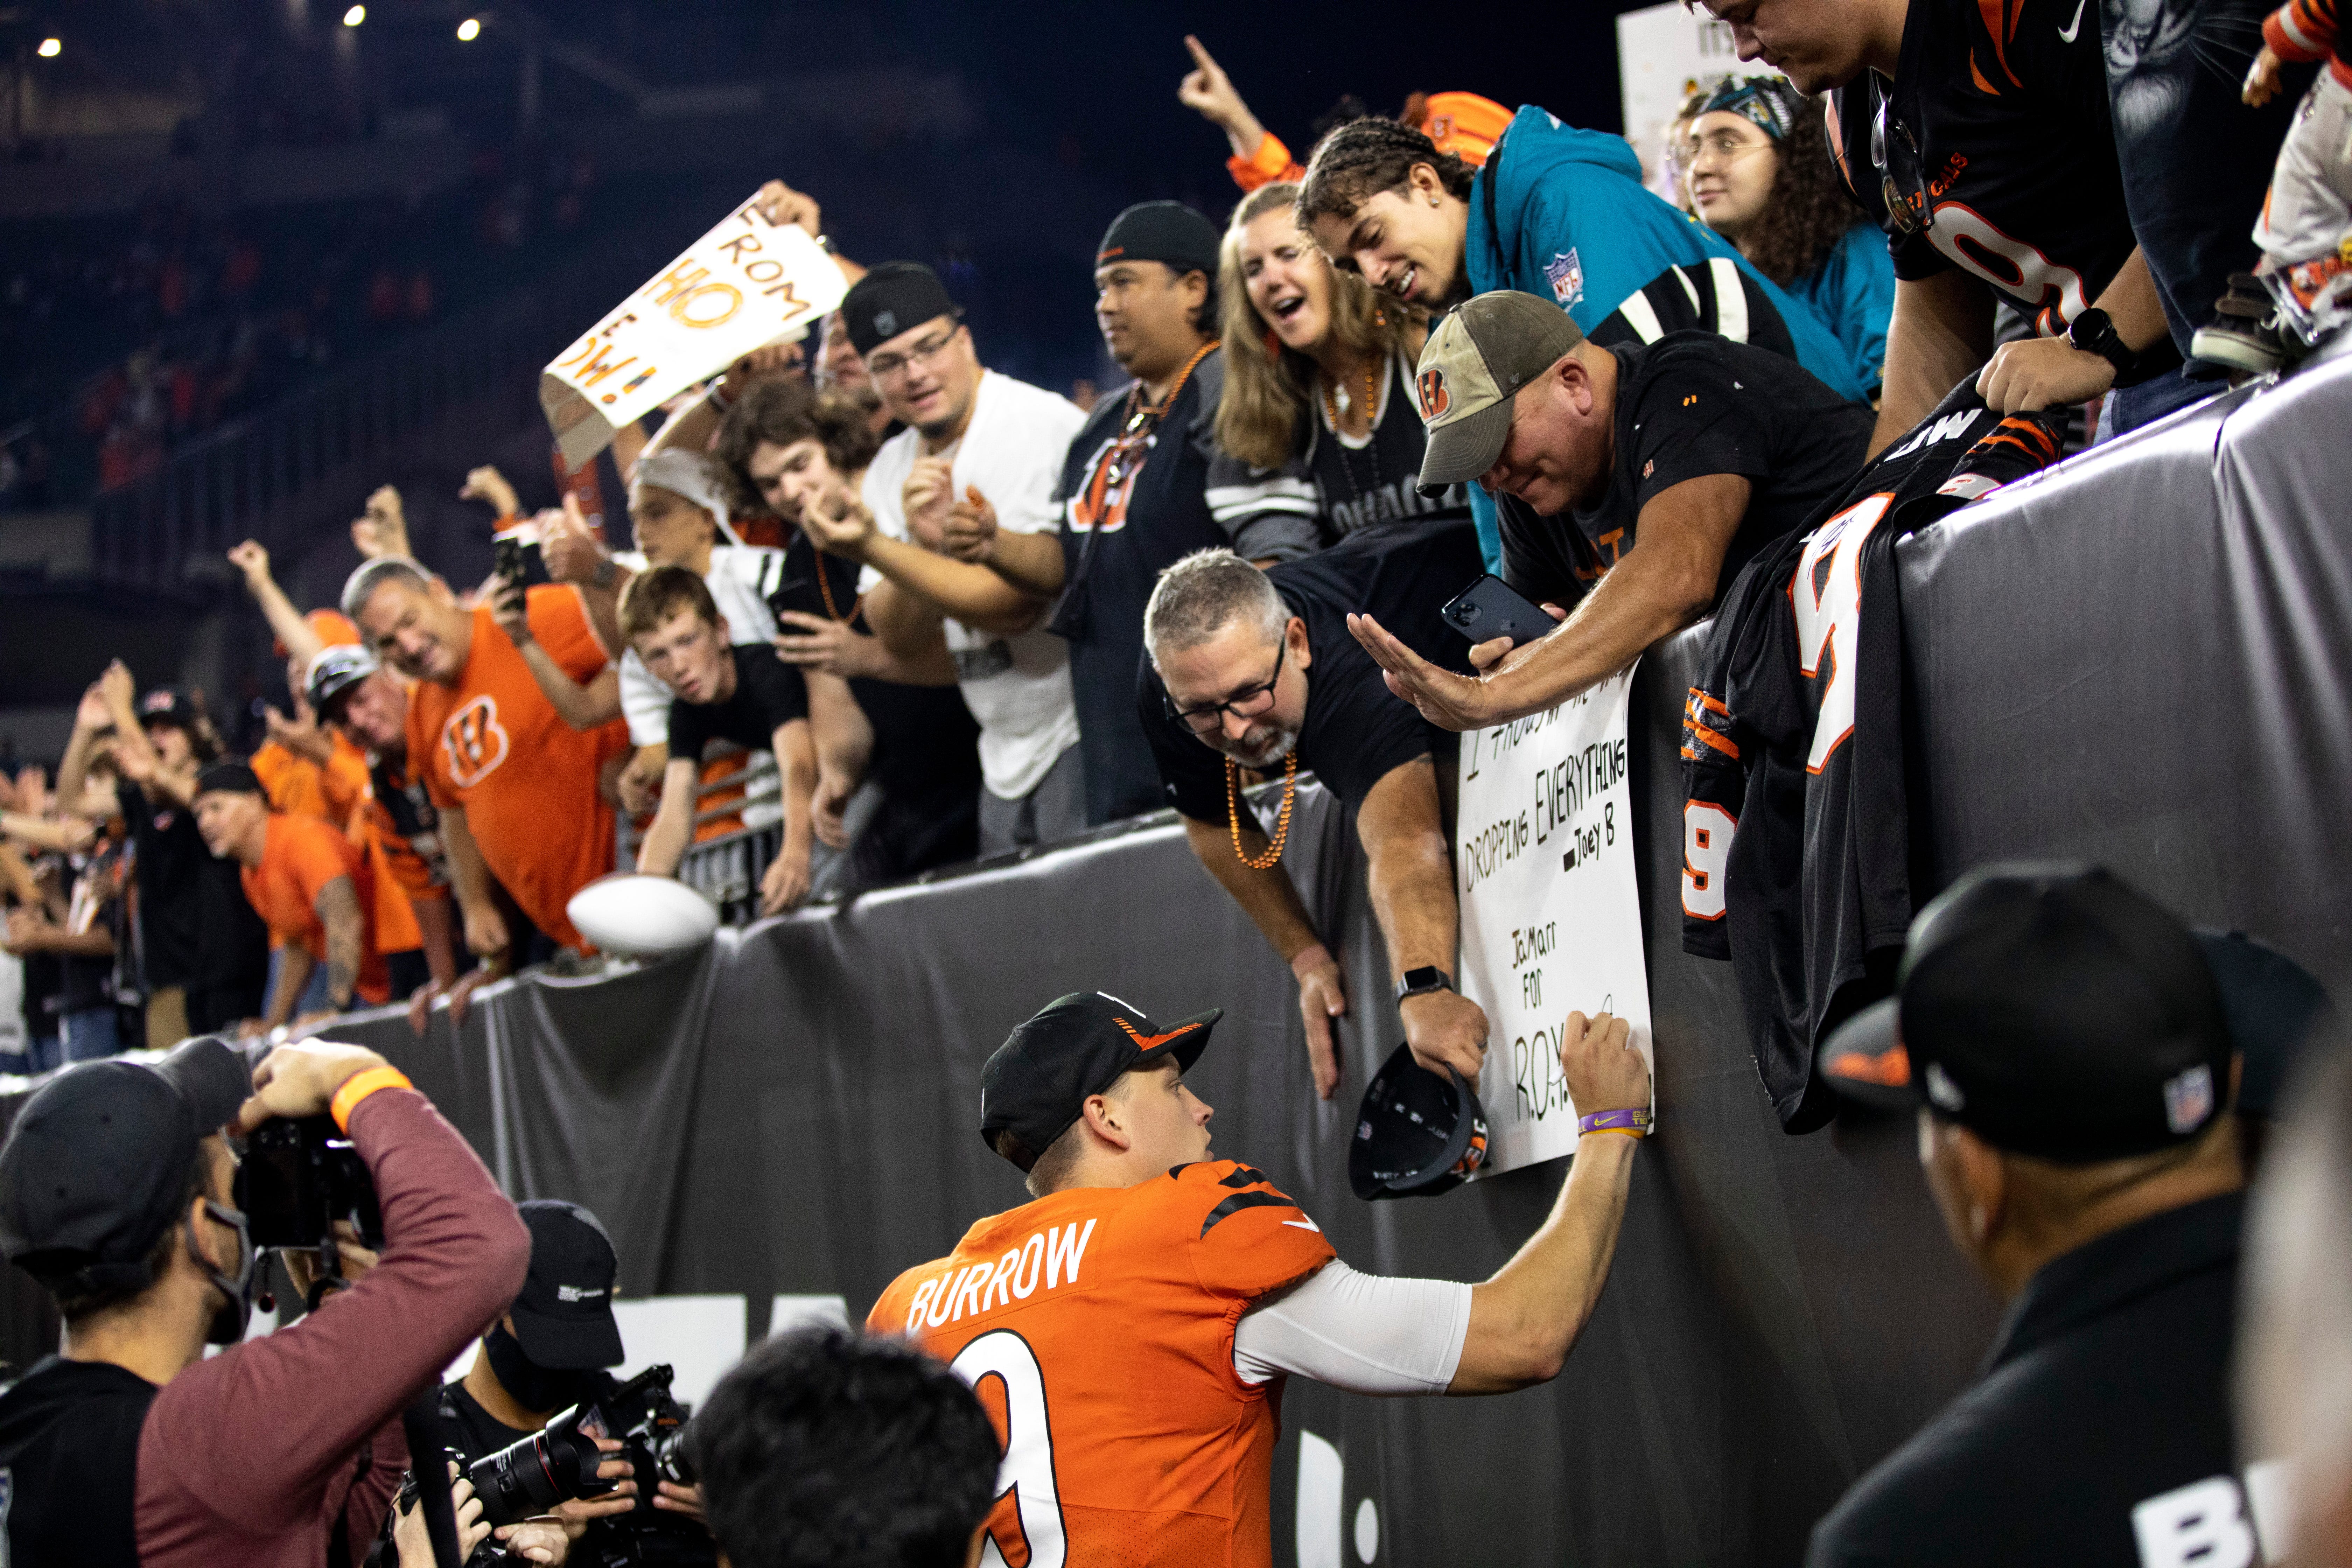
<point>524,1422</point>
<point>120,1193</point>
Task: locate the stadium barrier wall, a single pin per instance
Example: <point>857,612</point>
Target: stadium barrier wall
<point>2141,659</point>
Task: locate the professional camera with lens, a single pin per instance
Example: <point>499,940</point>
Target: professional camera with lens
<point>560,1462</point>
<point>301,1175</point>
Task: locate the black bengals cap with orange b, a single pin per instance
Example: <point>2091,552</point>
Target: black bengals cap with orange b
<point>1038,1081</point>
<point>2052,1009</point>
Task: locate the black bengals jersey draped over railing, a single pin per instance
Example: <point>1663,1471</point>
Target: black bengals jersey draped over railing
<point>1796,832</point>
<point>1992,151</point>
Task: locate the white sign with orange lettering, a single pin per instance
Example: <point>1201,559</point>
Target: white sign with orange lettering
<point>745,284</point>
<point>1550,919</point>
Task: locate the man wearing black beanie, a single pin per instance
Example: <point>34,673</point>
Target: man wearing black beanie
<point>1132,495</point>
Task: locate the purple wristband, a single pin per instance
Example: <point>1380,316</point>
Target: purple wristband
<point>1634,1122</point>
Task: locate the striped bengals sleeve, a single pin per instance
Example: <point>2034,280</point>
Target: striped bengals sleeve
<point>2302,29</point>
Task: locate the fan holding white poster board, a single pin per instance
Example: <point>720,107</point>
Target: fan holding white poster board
<point>749,282</point>
<point>1552,922</point>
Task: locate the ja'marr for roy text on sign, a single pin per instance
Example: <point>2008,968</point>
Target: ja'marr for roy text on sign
<point>1552,922</point>
<point>744,285</point>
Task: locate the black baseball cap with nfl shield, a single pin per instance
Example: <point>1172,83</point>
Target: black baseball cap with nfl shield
<point>2052,1009</point>
<point>1038,1081</point>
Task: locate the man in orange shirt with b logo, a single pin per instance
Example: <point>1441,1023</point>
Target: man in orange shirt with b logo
<point>516,785</point>
<point>1129,1330</point>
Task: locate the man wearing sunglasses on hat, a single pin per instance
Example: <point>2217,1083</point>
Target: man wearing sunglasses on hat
<point>1255,669</point>
<point>1980,139</point>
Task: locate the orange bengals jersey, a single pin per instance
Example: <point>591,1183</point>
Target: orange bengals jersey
<point>300,856</point>
<point>493,746</point>
<point>1097,1326</point>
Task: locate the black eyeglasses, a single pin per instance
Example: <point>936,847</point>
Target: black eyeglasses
<point>1901,174</point>
<point>1245,704</point>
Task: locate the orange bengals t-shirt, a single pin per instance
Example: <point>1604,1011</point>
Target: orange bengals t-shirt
<point>1096,1325</point>
<point>300,856</point>
<point>493,746</point>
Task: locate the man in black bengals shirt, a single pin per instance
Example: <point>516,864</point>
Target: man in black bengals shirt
<point>1979,136</point>
<point>1701,449</point>
<point>1134,487</point>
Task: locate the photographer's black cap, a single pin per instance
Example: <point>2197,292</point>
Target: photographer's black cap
<point>896,296</point>
<point>564,1318</point>
<point>1039,1080</point>
<point>95,1167</point>
<point>2051,1009</point>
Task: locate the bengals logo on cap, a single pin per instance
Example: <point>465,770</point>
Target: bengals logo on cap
<point>1430,384</point>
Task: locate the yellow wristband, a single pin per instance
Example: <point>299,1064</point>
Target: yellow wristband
<point>358,1087</point>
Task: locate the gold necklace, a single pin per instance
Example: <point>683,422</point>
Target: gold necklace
<point>1371,394</point>
<point>1272,855</point>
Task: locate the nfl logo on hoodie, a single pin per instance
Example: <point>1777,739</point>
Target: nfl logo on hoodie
<point>1565,273</point>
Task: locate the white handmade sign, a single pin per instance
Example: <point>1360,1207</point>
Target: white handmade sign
<point>745,284</point>
<point>1551,920</point>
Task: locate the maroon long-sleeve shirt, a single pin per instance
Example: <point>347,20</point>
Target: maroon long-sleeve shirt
<point>246,1458</point>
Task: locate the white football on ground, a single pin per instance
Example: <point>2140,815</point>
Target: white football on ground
<point>639,916</point>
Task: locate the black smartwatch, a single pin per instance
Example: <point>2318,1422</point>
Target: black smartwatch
<point>1422,981</point>
<point>2095,333</point>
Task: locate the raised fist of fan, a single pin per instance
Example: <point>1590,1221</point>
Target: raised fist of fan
<point>781,204</point>
<point>383,529</point>
<point>568,546</point>
<point>251,560</point>
<point>487,484</point>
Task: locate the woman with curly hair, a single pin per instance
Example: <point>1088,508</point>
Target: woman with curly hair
<point>1318,436</point>
<point>1757,168</point>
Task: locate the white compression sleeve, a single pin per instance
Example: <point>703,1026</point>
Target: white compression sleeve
<point>1364,1332</point>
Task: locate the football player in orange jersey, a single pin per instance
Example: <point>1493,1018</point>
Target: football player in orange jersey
<point>1130,1329</point>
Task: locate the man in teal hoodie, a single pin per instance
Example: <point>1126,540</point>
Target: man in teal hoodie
<point>1556,212</point>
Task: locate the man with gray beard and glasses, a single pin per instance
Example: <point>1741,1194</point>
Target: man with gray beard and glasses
<point>1255,669</point>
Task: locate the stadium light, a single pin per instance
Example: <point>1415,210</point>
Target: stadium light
<point>469,29</point>
<point>51,48</point>
<point>354,16</point>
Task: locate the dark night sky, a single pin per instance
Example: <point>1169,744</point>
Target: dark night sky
<point>1111,72</point>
